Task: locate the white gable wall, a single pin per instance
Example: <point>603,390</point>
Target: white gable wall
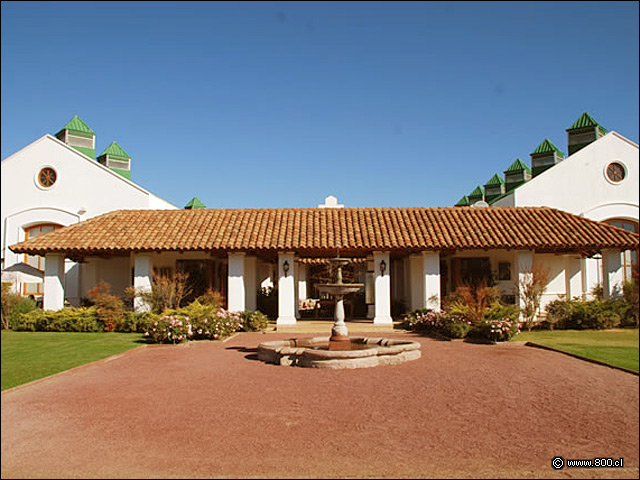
<point>83,189</point>
<point>579,185</point>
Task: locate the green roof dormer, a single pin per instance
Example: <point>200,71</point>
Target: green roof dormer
<point>194,204</point>
<point>78,135</point>
<point>517,174</point>
<point>115,158</point>
<point>477,195</point>
<point>463,202</point>
<point>545,157</point>
<point>584,131</point>
<point>494,188</point>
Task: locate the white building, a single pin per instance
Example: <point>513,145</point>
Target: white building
<point>598,180</point>
<point>53,182</point>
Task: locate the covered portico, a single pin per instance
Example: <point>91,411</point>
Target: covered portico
<point>413,255</point>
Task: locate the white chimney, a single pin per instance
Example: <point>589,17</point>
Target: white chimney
<point>330,202</point>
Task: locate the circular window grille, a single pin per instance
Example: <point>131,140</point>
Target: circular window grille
<point>616,172</point>
<point>47,177</point>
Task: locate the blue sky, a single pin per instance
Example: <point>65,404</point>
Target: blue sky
<point>279,104</point>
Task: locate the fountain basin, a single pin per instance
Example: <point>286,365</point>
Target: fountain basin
<point>314,352</point>
<point>339,288</point>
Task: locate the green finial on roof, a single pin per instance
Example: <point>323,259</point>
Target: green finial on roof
<point>547,147</point>
<point>194,204</point>
<point>518,166</point>
<point>463,202</point>
<point>78,125</point>
<point>478,191</point>
<point>115,150</point>
<point>495,180</point>
<point>585,121</point>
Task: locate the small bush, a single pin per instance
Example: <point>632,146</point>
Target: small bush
<point>109,308</point>
<point>495,330</point>
<point>254,321</point>
<point>443,323</point>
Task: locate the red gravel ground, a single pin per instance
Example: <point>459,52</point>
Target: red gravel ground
<point>211,409</point>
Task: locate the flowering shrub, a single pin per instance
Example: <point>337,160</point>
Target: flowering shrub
<point>207,323</point>
<point>495,330</point>
<point>426,320</point>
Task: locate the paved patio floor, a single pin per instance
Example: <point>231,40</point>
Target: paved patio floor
<point>211,409</point>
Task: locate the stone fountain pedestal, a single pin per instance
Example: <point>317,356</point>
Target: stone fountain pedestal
<point>339,339</point>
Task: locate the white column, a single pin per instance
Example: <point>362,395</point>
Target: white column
<point>524,264</point>
<point>296,284</point>
<point>573,276</point>
<point>286,289</point>
<point>382,282</point>
<point>302,281</point>
<point>236,290</point>
<point>251,283</point>
<point>142,277</point>
<point>416,282</point>
<point>431,275</point>
<point>53,294</point>
<point>612,274</point>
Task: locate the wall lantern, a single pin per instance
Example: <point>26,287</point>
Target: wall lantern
<point>383,267</point>
<point>285,267</point>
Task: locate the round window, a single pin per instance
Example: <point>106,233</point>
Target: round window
<point>47,177</point>
<point>616,172</point>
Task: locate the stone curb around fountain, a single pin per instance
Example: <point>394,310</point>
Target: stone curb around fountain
<point>312,353</point>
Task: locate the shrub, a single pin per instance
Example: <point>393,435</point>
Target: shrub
<point>471,300</point>
<point>580,315</point>
<point>24,305</point>
<point>254,321</point>
<point>531,287</point>
<point>443,323</point>
<point>9,302</point>
<point>109,308</point>
<point>136,322</point>
<point>83,319</point>
<point>167,292</point>
<point>193,322</point>
<point>495,330</point>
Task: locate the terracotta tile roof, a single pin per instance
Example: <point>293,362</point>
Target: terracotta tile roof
<point>310,231</point>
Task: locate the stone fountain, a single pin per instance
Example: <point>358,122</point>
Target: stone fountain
<point>339,350</point>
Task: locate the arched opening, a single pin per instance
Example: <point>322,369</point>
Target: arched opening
<point>629,257</point>
<point>36,261</point>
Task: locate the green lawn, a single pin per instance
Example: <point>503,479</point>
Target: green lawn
<point>618,347</point>
<point>27,356</point>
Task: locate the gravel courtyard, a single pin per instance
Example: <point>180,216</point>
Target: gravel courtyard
<point>211,409</point>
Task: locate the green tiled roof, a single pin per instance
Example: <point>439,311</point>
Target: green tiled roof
<point>585,121</point>
<point>115,150</point>
<point>478,191</point>
<point>78,125</point>
<point>547,147</point>
<point>463,202</point>
<point>195,203</point>
<point>518,166</point>
<point>495,180</point>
